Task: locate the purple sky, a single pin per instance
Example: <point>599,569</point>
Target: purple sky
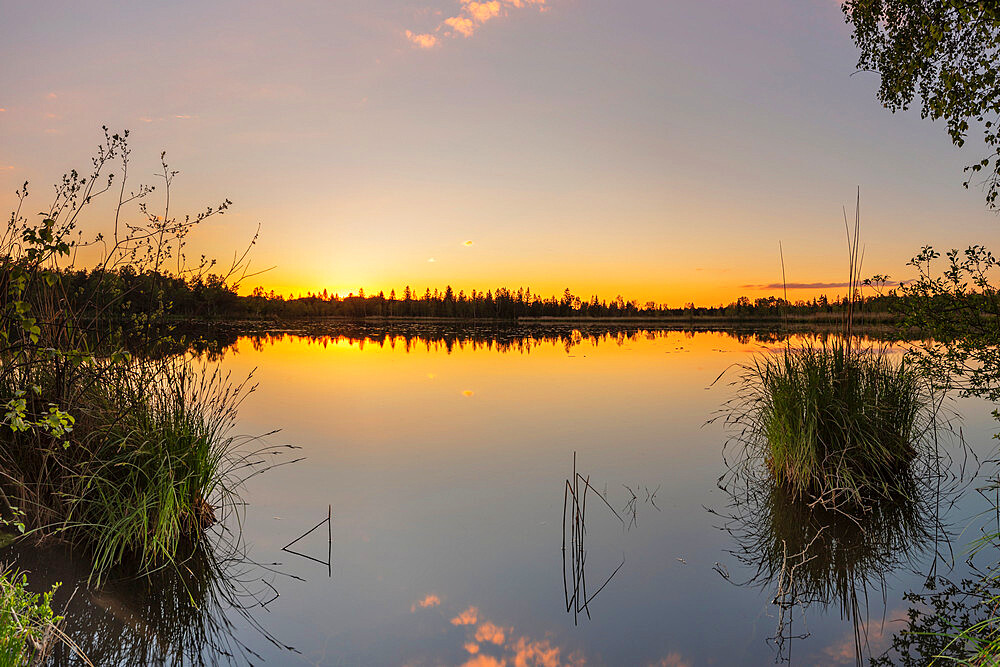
<point>655,149</point>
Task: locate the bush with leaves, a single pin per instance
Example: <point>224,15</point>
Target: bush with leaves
<point>28,626</point>
<point>87,429</point>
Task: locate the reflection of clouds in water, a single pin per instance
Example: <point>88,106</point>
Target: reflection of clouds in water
<point>524,652</point>
<point>430,600</point>
<point>467,617</point>
<point>542,654</point>
<point>488,632</point>
<point>673,659</point>
<point>487,644</point>
<point>484,661</point>
<point>877,637</point>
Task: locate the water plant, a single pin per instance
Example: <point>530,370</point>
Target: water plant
<point>104,440</point>
<point>805,554</point>
<point>156,468</point>
<point>834,425</point>
<point>838,424</point>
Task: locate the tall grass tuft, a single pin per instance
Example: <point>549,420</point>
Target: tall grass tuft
<point>147,466</point>
<point>834,425</point>
<point>104,441</point>
<point>840,424</point>
<point>159,462</point>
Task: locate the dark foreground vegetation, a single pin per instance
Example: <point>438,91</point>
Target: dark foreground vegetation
<point>110,444</point>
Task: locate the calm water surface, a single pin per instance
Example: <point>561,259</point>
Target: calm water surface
<point>445,458</point>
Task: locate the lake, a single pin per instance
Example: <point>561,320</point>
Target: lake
<point>443,454</point>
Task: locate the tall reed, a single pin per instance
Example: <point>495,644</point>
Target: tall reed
<point>838,424</point>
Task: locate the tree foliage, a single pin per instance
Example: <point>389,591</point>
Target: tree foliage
<point>944,53</point>
<point>957,313</point>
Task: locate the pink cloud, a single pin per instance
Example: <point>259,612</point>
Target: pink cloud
<point>487,644</point>
<point>538,654</point>
<point>673,659</point>
<point>484,661</point>
<point>461,25</point>
<point>474,13</point>
<point>481,12</point>
<point>876,635</point>
<point>423,41</point>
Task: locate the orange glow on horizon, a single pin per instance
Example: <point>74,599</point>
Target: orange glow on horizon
<point>674,296</point>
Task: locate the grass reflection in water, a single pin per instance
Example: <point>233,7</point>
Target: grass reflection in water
<point>808,555</point>
<point>194,614</point>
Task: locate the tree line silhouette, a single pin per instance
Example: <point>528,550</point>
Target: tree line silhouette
<point>507,304</point>
<point>127,294</point>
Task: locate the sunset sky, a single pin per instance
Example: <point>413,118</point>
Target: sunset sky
<point>658,149</point>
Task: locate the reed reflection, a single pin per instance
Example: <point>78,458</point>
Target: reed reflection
<point>574,532</point>
<point>575,558</point>
<point>187,614</point>
<point>807,555</point>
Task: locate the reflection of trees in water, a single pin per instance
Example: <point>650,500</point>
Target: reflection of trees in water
<point>184,615</point>
<point>813,556</point>
<point>218,340</point>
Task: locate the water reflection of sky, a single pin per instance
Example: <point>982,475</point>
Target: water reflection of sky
<point>445,466</point>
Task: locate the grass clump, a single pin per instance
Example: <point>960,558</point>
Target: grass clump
<point>835,425</point>
<point>143,469</point>
<point>104,440</point>
<point>158,463</point>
